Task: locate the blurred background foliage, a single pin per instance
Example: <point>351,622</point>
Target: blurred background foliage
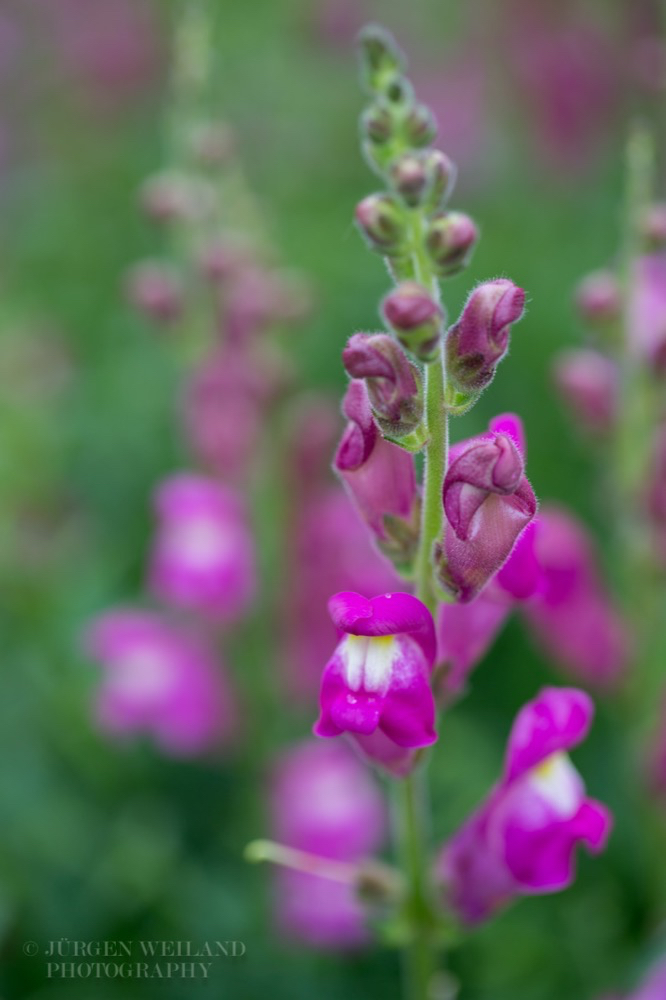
<point>108,843</point>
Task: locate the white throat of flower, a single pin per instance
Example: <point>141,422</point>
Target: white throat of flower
<point>368,662</point>
<point>558,783</point>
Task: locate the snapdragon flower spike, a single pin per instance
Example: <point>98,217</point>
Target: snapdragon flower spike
<point>203,555</point>
<point>159,679</point>
<point>571,613</point>
<point>480,339</point>
<point>522,839</point>
<point>394,385</point>
<point>376,686</point>
<point>415,318</point>
<point>380,478</point>
<point>589,383</point>
<point>488,502</point>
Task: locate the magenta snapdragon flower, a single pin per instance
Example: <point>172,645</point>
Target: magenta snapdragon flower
<point>376,686</point>
<point>488,502</point>
<point>203,555</point>
<point>324,801</point>
<point>522,839</point>
<point>465,632</point>
<point>159,679</point>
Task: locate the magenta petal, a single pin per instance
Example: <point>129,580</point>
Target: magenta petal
<point>511,425</point>
<point>520,575</point>
<point>387,614</point>
<point>557,719</point>
<point>408,714</point>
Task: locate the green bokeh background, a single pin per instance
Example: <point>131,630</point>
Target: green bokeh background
<point>101,843</point>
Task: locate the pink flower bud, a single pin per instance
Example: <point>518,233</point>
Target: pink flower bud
<point>415,318</point>
<point>654,226</point>
<point>488,502</point>
<point>393,383</point>
<point>598,297</point>
<point>174,197</point>
<point>379,476</point>
<point>647,311</point>
<point>212,144</point>
<point>161,679</point>
<point>450,239</point>
<point>480,339</point>
<point>588,382</point>
<point>155,289</point>
<point>381,221</point>
<point>203,556</point>
<point>522,839</point>
<point>441,177</point>
<point>419,126</point>
<point>376,687</point>
<point>377,123</point>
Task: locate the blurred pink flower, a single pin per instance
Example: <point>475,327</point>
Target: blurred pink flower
<point>159,679</point>
<point>647,310</point>
<point>571,613</point>
<point>203,554</point>
<point>324,801</point>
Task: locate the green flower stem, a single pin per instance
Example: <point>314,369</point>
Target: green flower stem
<point>419,953</point>
<point>412,823</point>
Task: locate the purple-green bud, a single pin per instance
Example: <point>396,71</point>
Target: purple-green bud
<point>450,239</point>
<point>409,177</point>
<point>419,126</point>
<point>381,219</point>
<point>415,318</point>
<point>377,124</point>
<point>442,174</point>
<point>380,57</point>
<point>480,339</point>
<point>394,386</point>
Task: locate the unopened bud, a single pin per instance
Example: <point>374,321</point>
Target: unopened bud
<point>598,298</point>
<point>212,143</point>
<point>480,338</point>
<point>394,386</point>
<point>450,240</point>
<point>409,177</point>
<point>155,289</point>
<point>380,57</point>
<point>419,126</point>
<point>654,226</point>
<point>441,173</point>
<point>377,124</point>
<point>381,219</point>
<point>589,382</point>
<point>415,318</point>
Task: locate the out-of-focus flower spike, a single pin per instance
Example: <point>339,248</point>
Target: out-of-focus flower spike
<point>155,289</point>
